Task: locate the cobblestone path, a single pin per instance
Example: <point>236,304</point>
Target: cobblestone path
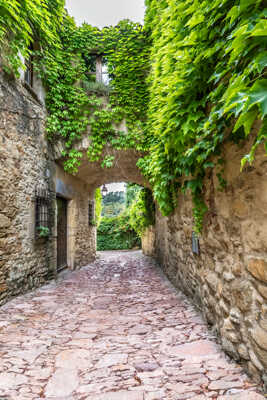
<point>116,330</point>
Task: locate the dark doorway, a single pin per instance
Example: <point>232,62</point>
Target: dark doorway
<point>62,205</point>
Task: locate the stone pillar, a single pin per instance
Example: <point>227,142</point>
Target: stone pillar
<point>148,241</point>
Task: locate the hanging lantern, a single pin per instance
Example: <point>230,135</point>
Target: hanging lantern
<point>104,190</point>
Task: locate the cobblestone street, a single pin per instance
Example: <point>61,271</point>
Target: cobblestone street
<point>115,330</point>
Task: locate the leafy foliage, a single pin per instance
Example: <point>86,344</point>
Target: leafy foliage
<point>142,212</point>
<point>98,205</point>
<point>74,101</point>
<point>113,204</point>
<point>22,22</point>
<point>207,79</point>
<point>192,78</point>
<point>116,234</point>
<point>132,190</point>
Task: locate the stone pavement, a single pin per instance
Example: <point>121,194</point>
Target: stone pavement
<point>115,330</point>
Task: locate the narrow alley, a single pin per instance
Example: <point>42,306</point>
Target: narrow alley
<point>115,330</point>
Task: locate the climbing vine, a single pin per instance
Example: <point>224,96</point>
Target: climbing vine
<point>22,22</point>
<point>75,101</point>
<point>142,211</point>
<point>98,206</point>
<point>192,78</point>
<point>208,78</point>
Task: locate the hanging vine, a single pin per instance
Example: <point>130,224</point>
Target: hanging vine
<point>208,74</point>
<point>193,77</point>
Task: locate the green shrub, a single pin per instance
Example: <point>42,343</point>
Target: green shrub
<point>142,211</point>
<point>116,233</point>
<point>98,205</point>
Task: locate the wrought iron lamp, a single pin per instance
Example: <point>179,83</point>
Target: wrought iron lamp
<point>104,190</point>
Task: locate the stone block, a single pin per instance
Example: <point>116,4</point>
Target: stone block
<point>212,281</point>
<point>263,291</point>
<point>243,352</point>
<point>121,395</point>
<point>242,292</point>
<point>5,222</point>
<point>240,208</point>
<point>254,235</point>
<point>235,316</point>
<point>258,268</point>
<point>255,361</point>
<point>260,337</point>
<point>230,348</point>
<point>229,332</point>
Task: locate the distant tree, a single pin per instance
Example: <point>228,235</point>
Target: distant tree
<point>113,204</point>
<point>132,190</point>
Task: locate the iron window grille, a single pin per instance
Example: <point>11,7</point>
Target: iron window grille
<point>42,211</point>
<point>91,213</point>
<point>28,77</point>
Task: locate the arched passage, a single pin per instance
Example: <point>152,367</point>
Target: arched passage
<point>78,191</point>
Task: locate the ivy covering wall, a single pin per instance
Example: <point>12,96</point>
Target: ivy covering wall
<point>207,85</point>
<point>192,78</point>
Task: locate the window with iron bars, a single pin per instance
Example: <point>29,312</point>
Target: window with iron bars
<point>42,212</point>
<point>28,77</point>
<point>91,213</point>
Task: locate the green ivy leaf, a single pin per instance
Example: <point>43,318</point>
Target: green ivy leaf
<point>258,96</point>
<point>246,120</point>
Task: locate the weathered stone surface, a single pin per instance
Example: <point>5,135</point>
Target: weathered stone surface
<point>201,348</point>
<point>24,163</point>
<point>212,280</point>
<point>242,396</point>
<point>148,241</point>
<point>121,395</point>
<point>146,366</point>
<point>62,383</point>
<point>240,208</point>
<point>10,380</point>
<point>177,358</point>
<point>258,268</point>
<point>112,359</point>
<point>242,292</point>
<point>255,361</point>
<point>71,359</point>
<point>229,332</point>
<point>260,337</point>
<point>243,352</point>
<point>225,385</point>
<point>5,222</point>
<point>228,278</point>
<point>263,291</point>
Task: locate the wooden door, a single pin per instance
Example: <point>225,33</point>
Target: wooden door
<point>61,233</point>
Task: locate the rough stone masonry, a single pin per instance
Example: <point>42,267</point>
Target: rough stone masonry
<point>228,280</point>
<point>114,330</point>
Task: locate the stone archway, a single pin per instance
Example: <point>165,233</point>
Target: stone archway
<point>79,189</point>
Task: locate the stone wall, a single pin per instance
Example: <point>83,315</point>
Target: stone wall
<point>148,241</point>
<point>228,280</point>
<point>81,236</point>
<point>25,163</point>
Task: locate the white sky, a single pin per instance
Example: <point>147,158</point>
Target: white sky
<point>116,187</point>
<point>105,12</point>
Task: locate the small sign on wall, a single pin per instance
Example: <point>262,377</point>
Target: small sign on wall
<point>195,244</point>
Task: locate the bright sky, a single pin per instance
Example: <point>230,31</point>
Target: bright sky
<point>105,12</point>
<point>116,187</point>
